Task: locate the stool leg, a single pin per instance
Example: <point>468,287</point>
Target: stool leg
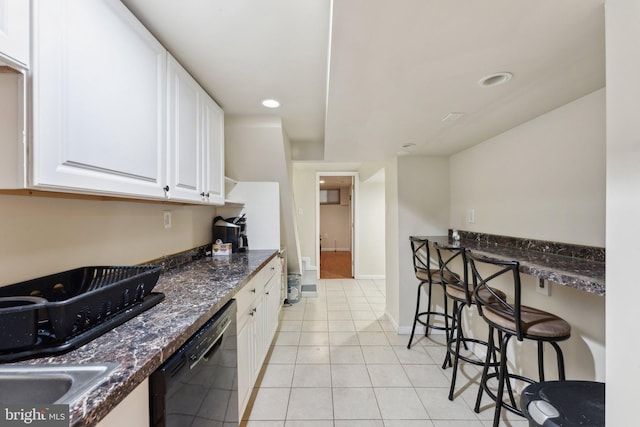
<point>561,376</point>
<point>428,325</point>
<point>415,318</point>
<point>485,370</point>
<point>540,361</point>
<point>449,338</point>
<point>446,310</point>
<point>501,379</point>
<point>458,321</point>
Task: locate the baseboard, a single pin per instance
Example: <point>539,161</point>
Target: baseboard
<point>406,330</point>
<point>370,276</point>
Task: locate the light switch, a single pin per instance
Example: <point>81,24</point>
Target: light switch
<point>472,216</point>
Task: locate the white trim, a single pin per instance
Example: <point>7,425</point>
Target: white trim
<point>370,277</point>
<point>406,330</point>
<point>335,250</point>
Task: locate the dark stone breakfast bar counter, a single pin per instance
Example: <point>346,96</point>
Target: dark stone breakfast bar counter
<point>194,292</point>
<point>575,266</point>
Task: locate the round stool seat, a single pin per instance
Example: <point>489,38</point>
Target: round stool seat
<point>535,323</point>
<point>458,293</point>
<point>564,403</point>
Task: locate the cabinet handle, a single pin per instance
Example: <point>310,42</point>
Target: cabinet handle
<point>166,188</point>
<point>203,194</point>
<point>253,290</point>
<point>267,293</point>
<point>251,312</point>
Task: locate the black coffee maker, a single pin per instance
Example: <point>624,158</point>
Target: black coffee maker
<point>231,230</point>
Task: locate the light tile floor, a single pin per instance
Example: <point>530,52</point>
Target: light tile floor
<point>337,361</point>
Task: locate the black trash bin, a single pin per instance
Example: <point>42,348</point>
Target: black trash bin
<point>564,404</point>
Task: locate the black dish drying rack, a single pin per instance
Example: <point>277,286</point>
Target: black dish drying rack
<point>79,305</point>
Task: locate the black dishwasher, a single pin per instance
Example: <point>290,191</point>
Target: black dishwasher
<point>197,386</point>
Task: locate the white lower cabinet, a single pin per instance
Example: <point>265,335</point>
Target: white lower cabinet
<point>133,411</point>
<point>258,311</point>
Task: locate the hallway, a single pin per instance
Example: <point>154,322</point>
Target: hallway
<point>337,361</point>
<point>335,265</point>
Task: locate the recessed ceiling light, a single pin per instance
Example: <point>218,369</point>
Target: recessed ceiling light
<point>495,79</point>
<point>322,181</point>
<point>270,103</point>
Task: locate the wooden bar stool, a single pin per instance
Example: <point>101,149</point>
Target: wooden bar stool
<point>461,291</point>
<point>511,319</point>
<point>427,277</point>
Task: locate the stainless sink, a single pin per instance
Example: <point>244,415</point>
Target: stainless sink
<point>42,384</point>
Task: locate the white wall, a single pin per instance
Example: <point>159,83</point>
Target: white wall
<point>304,189</point>
<point>422,209</point>
<point>392,242</point>
<point>258,149</point>
<point>371,217</point>
<point>544,179</point>
<point>623,207</point>
<point>40,235</point>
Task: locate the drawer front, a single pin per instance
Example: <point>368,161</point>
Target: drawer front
<point>247,296</point>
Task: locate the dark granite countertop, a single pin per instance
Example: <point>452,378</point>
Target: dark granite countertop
<point>194,292</point>
<point>583,274</point>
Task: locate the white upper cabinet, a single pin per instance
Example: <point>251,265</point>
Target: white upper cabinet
<point>195,140</point>
<point>99,91</point>
<point>14,31</point>
<point>213,146</point>
<point>184,134</point>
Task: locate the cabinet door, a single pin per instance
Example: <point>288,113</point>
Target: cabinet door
<point>14,31</point>
<point>272,309</point>
<point>184,103</point>
<point>213,148</point>
<point>258,331</point>
<point>99,90</point>
<point>245,363</point>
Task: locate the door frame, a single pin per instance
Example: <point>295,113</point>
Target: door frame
<point>354,215</point>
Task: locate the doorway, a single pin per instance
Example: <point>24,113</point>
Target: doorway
<point>335,225</point>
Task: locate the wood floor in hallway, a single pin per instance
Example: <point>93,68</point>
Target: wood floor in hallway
<point>335,265</point>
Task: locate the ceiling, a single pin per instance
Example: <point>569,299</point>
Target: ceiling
<point>364,78</point>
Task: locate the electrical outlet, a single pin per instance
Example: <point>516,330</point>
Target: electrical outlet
<point>472,216</point>
<point>544,287</point>
<point>167,219</point>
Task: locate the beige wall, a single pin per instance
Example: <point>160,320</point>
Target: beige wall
<point>304,189</point>
<point>422,209</point>
<point>544,179</point>
<point>371,217</point>
<point>258,149</point>
<point>372,247</point>
<point>40,235</point>
<point>623,207</point>
<point>335,223</point>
